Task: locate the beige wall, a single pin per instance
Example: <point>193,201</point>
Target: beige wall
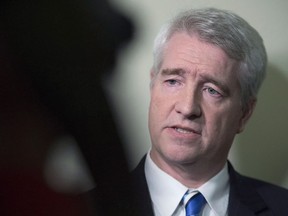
<point>262,150</point>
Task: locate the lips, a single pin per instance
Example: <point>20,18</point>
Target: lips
<point>185,130</point>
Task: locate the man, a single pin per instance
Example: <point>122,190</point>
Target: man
<point>208,67</point>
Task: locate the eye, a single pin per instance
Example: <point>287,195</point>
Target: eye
<point>213,92</point>
<point>172,82</point>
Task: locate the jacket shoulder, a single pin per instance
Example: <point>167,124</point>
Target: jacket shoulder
<point>271,193</point>
<point>256,195</point>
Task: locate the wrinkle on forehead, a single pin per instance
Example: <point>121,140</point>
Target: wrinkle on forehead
<point>189,49</point>
<point>190,53</point>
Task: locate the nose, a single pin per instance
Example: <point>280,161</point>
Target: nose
<point>189,104</point>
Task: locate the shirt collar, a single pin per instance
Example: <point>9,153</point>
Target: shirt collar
<point>164,201</point>
<point>215,191</point>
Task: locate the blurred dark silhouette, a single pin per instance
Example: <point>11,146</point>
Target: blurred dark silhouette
<point>53,55</point>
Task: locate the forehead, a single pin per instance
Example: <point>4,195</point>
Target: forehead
<point>187,56</point>
<point>191,55</point>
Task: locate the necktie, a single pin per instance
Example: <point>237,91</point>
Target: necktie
<point>195,205</point>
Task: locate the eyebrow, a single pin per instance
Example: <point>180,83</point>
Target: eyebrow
<point>174,71</point>
<point>211,79</point>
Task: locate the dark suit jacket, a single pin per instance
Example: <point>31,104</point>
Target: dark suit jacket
<point>248,197</point>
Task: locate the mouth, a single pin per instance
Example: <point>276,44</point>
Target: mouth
<point>185,130</point>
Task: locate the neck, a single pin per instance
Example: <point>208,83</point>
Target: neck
<point>192,175</point>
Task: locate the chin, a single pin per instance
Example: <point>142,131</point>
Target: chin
<point>181,156</point>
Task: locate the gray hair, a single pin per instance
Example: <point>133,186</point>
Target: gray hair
<point>228,31</point>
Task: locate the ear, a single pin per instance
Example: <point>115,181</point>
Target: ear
<point>247,113</point>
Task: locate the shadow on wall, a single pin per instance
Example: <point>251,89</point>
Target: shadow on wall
<point>262,149</point>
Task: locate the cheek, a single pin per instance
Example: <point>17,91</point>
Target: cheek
<point>222,124</point>
<point>158,112</point>
<point>158,104</point>
<point>154,113</point>
<point>155,123</point>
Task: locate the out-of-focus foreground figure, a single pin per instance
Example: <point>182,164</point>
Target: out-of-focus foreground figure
<point>53,55</point>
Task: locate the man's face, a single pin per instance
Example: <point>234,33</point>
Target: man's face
<point>195,109</point>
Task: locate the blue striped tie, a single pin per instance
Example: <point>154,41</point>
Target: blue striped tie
<point>195,205</point>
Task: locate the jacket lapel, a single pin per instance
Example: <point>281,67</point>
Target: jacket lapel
<point>142,197</point>
<point>244,198</point>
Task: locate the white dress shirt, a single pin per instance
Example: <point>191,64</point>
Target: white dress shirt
<point>167,193</point>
